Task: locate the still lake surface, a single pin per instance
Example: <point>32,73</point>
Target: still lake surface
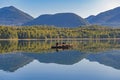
<point>35,60</point>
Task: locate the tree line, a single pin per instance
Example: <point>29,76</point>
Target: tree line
<point>49,32</point>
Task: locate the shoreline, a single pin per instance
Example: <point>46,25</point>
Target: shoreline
<point>54,39</point>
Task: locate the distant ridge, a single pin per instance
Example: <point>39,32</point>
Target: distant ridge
<point>13,16</point>
<point>59,20</point>
<point>107,18</point>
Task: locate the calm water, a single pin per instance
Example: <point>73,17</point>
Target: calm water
<point>35,60</point>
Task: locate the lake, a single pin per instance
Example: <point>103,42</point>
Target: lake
<point>35,60</point>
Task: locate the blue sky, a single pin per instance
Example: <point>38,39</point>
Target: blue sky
<point>83,8</point>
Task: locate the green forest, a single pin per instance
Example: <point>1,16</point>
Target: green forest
<point>51,32</point>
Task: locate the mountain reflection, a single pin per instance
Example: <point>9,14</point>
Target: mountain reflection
<point>110,58</point>
<point>12,62</point>
<point>16,54</point>
<point>64,57</point>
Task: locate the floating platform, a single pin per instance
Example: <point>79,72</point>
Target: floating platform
<point>64,46</point>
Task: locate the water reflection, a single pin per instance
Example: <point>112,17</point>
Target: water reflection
<point>16,54</point>
<point>11,62</point>
<point>109,58</point>
<point>45,46</point>
<point>64,57</point>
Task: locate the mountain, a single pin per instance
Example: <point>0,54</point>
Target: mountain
<point>13,16</point>
<point>59,20</point>
<point>107,18</point>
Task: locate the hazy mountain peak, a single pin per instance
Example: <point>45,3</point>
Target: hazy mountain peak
<point>11,7</point>
<point>107,18</point>
<point>59,19</point>
<point>13,16</point>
